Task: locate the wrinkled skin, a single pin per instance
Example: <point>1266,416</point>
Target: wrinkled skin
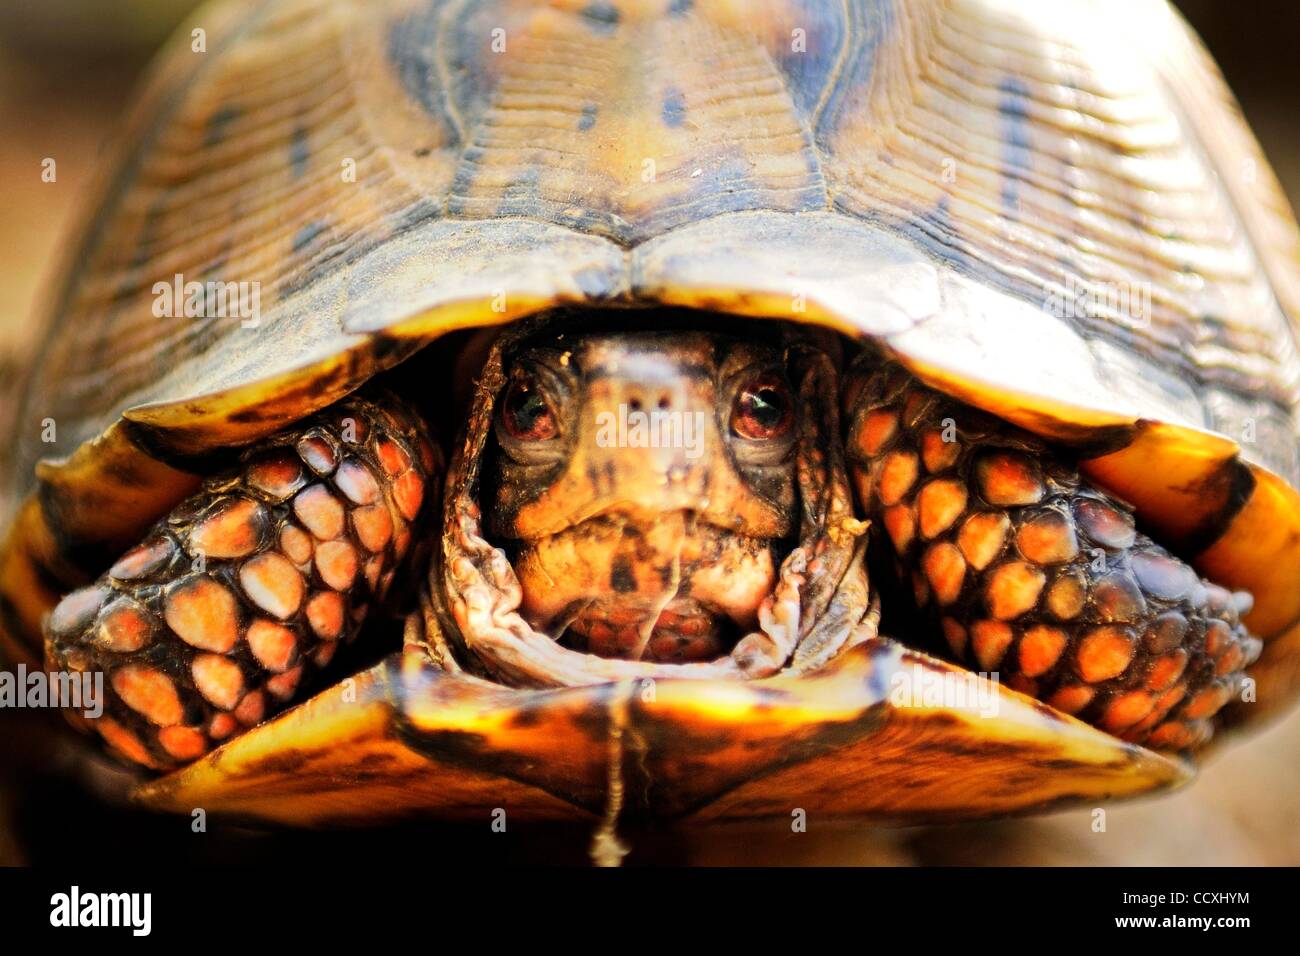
<point>645,486</point>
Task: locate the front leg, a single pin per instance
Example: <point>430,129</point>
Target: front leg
<point>1032,572</point>
<point>212,622</point>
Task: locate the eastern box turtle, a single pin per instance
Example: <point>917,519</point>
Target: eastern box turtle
<point>659,392</point>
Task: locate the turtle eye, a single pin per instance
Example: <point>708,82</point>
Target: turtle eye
<point>526,414</point>
<point>764,408</point>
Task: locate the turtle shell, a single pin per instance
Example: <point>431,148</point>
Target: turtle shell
<point>1054,214</point>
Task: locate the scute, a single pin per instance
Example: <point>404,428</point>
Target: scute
<point>975,184</point>
<point>407,740</point>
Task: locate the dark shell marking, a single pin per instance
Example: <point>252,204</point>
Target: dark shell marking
<point>213,622</point>
<point>1032,573</point>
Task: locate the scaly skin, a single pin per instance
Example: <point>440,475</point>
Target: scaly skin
<point>585,545</point>
<point>660,553</point>
<point>651,558</point>
<point>1033,573</point>
<point>213,622</point>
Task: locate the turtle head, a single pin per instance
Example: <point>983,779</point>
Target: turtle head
<point>644,485</point>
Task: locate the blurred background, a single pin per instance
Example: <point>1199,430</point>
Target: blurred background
<point>67,68</point>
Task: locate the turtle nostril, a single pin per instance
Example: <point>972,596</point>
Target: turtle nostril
<point>665,402</point>
<point>634,404</point>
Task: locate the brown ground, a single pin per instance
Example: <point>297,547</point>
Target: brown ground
<point>1241,810</point>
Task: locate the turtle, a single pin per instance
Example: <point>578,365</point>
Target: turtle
<point>674,409</point>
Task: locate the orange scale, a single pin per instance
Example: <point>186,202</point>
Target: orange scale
<point>272,583</point>
<point>1166,701</point>
<point>277,475</point>
<point>149,692</point>
<point>916,405</point>
<point>373,569</point>
<point>460,613</point>
<point>1138,731</point>
<point>408,493</point>
<point>401,541</point>
<point>219,679</point>
<point>1166,670</point>
<point>324,654</point>
<point>1013,588</point>
<point>900,526</point>
<point>251,709</point>
<point>222,726</point>
<point>142,561</point>
<point>296,544</point>
<point>356,482</point>
<point>1047,538</point>
<point>1072,699</point>
<point>319,511</point>
<point>1218,637</point>
<point>1126,710</point>
<point>937,454</point>
<point>325,612</point>
<point>183,743</point>
<point>124,741</point>
<point>373,526</point>
<point>336,562</point>
<point>203,613</point>
<point>125,626</point>
<point>1207,702</point>
<point>1007,478</point>
<point>897,475</point>
<point>392,457</point>
<point>1040,649</point>
<point>1231,660</point>
<point>981,538</point>
<point>1104,653</point>
<point>274,645</point>
<point>945,570</point>
<point>1066,596</point>
<point>428,456</point>
<point>878,428</point>
<point>1174,735</point>
<point>939,504</point>
<point>318,453</point>
<point>233,530</point>
<point>955,635</point>
<point>989,641</point>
